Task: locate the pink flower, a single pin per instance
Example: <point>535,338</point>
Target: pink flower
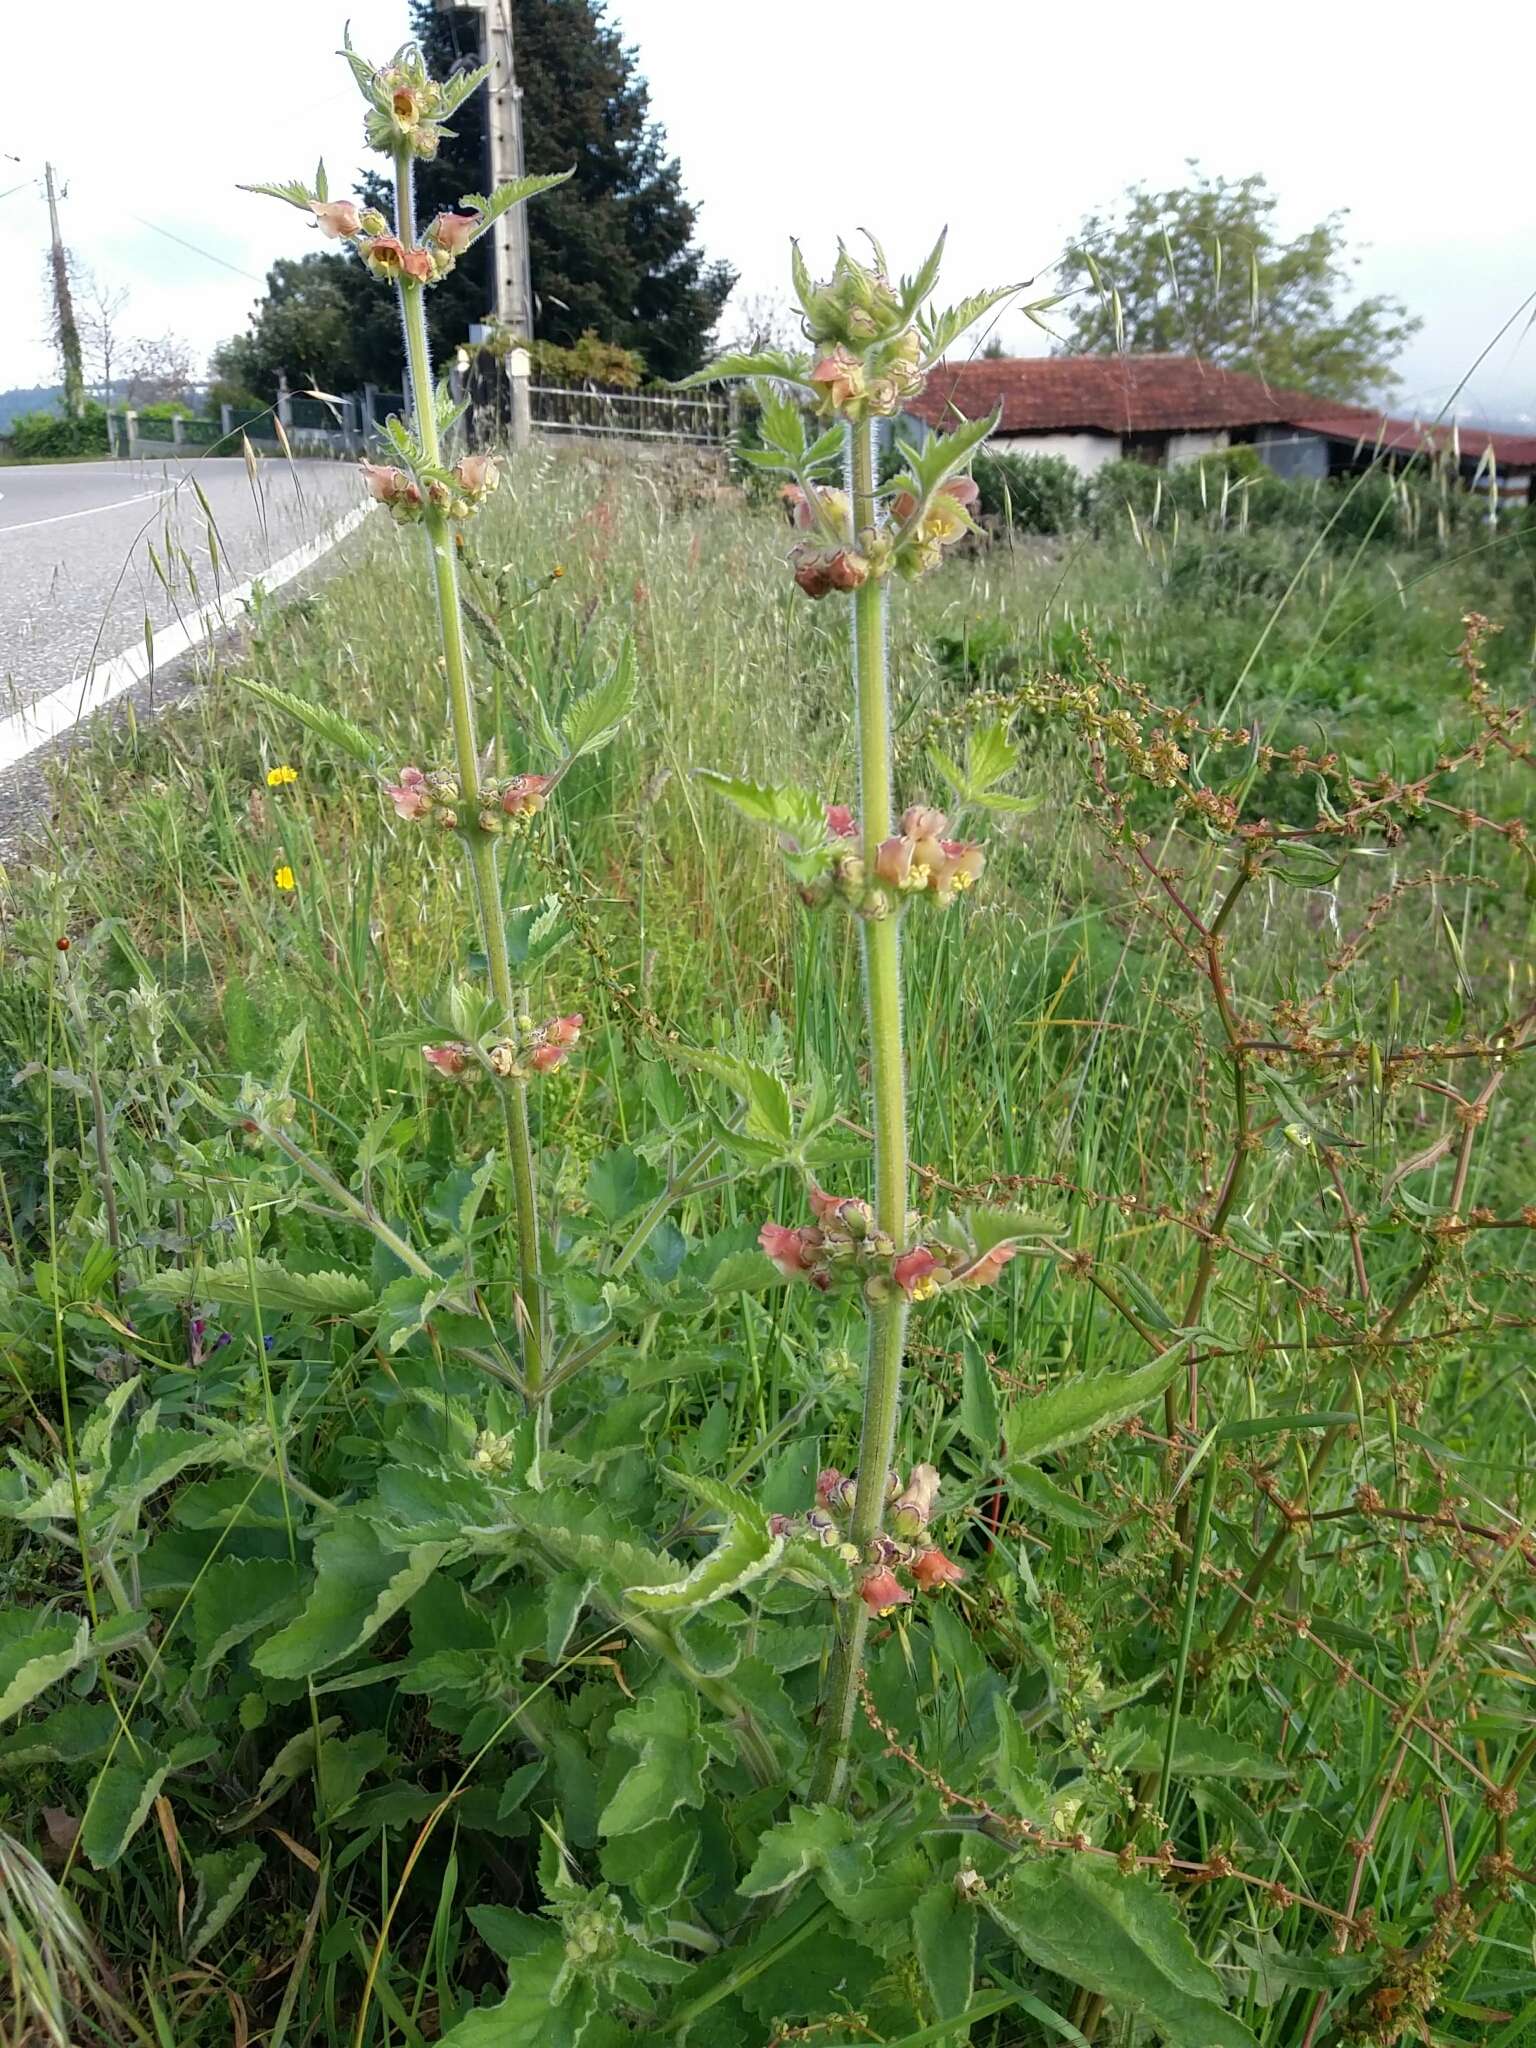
<point>545,1058</point>
<point>525,794</point>
<point>478,473</point>
<point>417,263</point>
<point>881,1591</point>
<point>453,232</point>
<point>818,571</point>
<point>448,1059</point>
<point>933,1571</point>
<point>913,1273</point>
<point>960,864</point>
<point>409,795</point>
<point>921,821</point>
<point>384,483</point>
<point>829,1487</point>
<point>338,218</point>
<point>824,1207</point>
<point>945,518</point>
<point>840,375</point>
<point>794,1252</point>
<point>893,862</point>
<point>983,1271</point>
<point>384,255</point>
<point>841,822</point>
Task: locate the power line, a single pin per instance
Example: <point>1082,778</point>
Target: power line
<point>196,251</point>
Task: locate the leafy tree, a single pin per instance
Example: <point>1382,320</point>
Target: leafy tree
<point>1202,270</point>
<point>323,321</point>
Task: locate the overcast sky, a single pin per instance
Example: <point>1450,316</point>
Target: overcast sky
<point>1032,116</point>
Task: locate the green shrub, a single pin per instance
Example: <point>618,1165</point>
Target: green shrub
<point>49,437</point>
<point>1030,493</point>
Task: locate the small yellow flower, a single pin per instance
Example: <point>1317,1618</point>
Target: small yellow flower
<point>277,776</point>
<point>283,878</point>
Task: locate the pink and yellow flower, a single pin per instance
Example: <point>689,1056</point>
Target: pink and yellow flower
<point>983,1272</point>
<point>914,1272</point>
<point>796,1253</point>
<point>410,795</point>
<point>881,1591</point>
<point>932,1571</point>
<point>453,232</point>
<point>525,795</point>
<point>339,219</point>
<point>448,1059</point>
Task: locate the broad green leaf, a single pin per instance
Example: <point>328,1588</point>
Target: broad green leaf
<point>1076,1408</point>
<point>583,1532</point>
<point>154,1459</point>
<point>746,1550</point>
<point>319,719</point>
<point>233,1284</point>
<point>977,1412</point>
<point>621,1182</point>
<point>223,1879</point>
<point>940,330</point>
<point>1198,1752</point>
<point>68,1735</point>
<point>596,716</point>
<point>815,1839</point>
<point>36,1652</point>
<point>119,1805</point>
<point>1046,1498</point>
<point>359,1583</point>
<point>944,1942</point>
<point>237,1596</point>
<point>664,1729</point>
<point>798,815</point>
<point>545,2008</point>
<point>1122,1938</point>
<point>295,192</point>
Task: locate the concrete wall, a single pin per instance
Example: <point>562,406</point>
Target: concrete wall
<point>1087,453</point>
<point>1190,447</point>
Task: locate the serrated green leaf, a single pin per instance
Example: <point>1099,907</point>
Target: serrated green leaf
<point>747,1548</point>
<point>1122,1938</point>
<point>769,362</point>
<point>119,1805</point>
<point>939,331</point>
<point>547,2006</point>
<point>664,1729</point>
<point>595,717</point>
<point>1075,1408</point>
<point>915,289</point>
<point>35,1652</point>
<point>359,1583</point>
<point>154,1459</point>
<point>320,719</point>
<point>1046,1498</point>
<point>235,1597</point>
<point>295,192</point>
<point>583,1532</point>
<point>944,1943</point>
<point>515,192</point>
<point>815,1839</point>
<point>223,1879</point>
<point>339,1292</point>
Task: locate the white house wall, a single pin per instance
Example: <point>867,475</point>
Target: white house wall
<point>1190,447</point>
<point>1087,453</point>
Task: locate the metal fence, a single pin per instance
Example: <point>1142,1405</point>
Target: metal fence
<point>705,420</point>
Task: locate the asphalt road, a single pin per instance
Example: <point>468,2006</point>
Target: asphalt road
<point>89,550</point>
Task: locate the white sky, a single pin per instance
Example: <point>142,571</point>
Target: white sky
<point>1033,115</point>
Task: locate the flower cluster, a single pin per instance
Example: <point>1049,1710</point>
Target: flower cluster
<point>437,794</point>
<point>406,107</point>
<point>916,861</point>
<point>388,258</point>
<point>457,493</point>
<point>537,1049</point>
<point>869,356</point>
<point>830,561</point>
<point>844,1246</point>
<point>901,1548</point>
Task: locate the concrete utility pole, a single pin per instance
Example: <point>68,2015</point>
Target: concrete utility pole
<point>504,122</point>
<point>64,311</point>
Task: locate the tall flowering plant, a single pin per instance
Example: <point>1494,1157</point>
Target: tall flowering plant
<point>873,342</point>
<point>406,112</point>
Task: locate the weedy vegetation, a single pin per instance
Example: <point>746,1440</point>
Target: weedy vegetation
<point>752,1301</point>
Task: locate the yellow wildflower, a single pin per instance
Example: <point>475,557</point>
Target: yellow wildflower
<point>283,878</point>
<point>282,773</point>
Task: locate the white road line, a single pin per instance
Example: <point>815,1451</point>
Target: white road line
<point>37,723</point>
<point>85,512</point>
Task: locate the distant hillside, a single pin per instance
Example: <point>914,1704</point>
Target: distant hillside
<point>25,398</point>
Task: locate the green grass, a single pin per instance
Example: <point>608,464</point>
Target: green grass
<point>1063,1056</point>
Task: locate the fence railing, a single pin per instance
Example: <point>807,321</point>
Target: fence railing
<point>705,420</point>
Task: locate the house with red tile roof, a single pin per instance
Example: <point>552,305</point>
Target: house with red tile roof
<point>1169,409</point>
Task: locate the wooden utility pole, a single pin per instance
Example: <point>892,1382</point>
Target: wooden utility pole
<point>65,329</point>
<point>504,122</point>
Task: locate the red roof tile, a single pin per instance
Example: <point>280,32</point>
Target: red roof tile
<point>1137,394</point>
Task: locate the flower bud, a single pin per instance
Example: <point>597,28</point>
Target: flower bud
<point>338,219</point>
<point>841,823</point>
<point>371,222</point>
<point>914,1506</point>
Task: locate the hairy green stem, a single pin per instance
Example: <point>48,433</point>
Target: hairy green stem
<point>481,845</point>
<point>888,1110</point>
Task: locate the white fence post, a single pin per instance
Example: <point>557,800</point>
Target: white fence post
<point>131,423</point>
<point>519,366</point>
<point>284,401</point>
<point>176,432</point>
<point>226,420</point>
